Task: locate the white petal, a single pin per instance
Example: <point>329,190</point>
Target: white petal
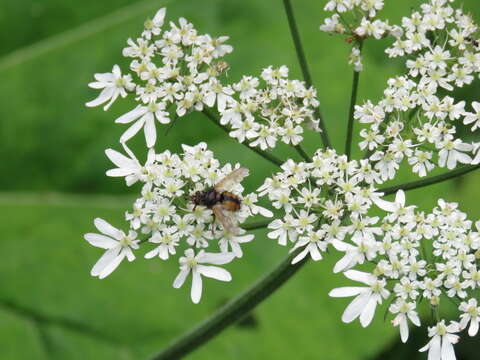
<point>132,131</point>
<point>434,350</point>
<point>300,256</point>
<point>131,115</point>
<point>414,319</point>
<point>447,350</point>
<point>264,212</point>
<point>354,309</point>
<point>404,330</point>
<point>346,291</point>
<point>244,239</point>
<point>119,159</point>
<point>400,198</point>
<point>104,96</point>
<point>150,131</point>
<point>216,258</point>
<point>473,329</point>
<point>360,276</point>
<point>107,229</point>
<point>452,160</point>
<point>104,260</point>
<point>385,205</point>
<point>368,312</point>
<point>100,241</point>
<point>120,172</point>
<point>214,272</point>
<point>112,265</point>
<point>196,292</point>
<point>180,279</point>
<point>152,253</point>
<point>160,15</point>
<point>314,252</point>
<point>344,263</point>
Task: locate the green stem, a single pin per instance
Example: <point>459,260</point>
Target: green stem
<point>431,180</point>
<point>302,153</point>
<point>304,66</point>
<point>353,101</point>
<point>233,310</point>
<point>273,159</point>
<point>256,225</point>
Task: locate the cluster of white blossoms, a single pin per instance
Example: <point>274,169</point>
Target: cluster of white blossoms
<point>179,67</point>
<point>264,115</point>
<point>174,66</point>
<point>169,221</point>
<point>417,120</point>
<point>413,257</point>
<point>416,257</point>
<point>316,199</point>
<point>355,19</point>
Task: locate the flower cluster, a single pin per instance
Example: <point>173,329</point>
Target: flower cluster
<point>263,115</point>
<point>417,119</point>
<point>416,257</point>
<point>317,198</point>
<point>179,67</point>
<point>360,24</point>
<point>169,220</point>
<point>174,66</point>
<point>413,256</point>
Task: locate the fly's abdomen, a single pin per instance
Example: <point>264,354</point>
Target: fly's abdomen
<point>230,201</point>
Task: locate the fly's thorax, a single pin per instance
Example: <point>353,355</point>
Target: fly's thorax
<point>207,197</point>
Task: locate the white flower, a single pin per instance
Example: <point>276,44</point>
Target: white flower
<point>283,230</point>
<point>191,263</point>
<point>473,117</point>
<point>453,151</point>
<point>471,314</point>
<point>314,244</point>
<point>130,168</point>
<point>396,208</point>
<point>405,310</point>
<point>153,26</point>
<point>144,116</point>
<point>367,298</point>
<point>168,240</point>
<point>440,346</point>
<point>117,244</point>
<point>233,241</point>
<point>113,84</point>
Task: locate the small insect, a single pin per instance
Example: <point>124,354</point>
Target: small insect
<point>475,42</point>
<point>221,201</point>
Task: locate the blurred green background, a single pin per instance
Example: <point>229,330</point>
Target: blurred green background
<point>53,185</point>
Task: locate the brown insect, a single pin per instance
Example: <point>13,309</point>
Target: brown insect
<point>221,201</point>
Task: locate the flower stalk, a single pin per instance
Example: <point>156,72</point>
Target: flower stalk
<point>304,66</point>
<point>353,101</point>
<point>430,181</point>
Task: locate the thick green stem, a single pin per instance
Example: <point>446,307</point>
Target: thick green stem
<point>256,225</point>
<point>353,101</point>
<point>232,311</point>
<point>430,181</point>
<point>304,66</point>
<point>302,153</point>
<point>273,159</point>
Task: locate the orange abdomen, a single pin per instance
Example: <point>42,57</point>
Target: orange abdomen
<point>230,201</point>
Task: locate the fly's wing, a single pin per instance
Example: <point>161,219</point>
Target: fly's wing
<point>229,181</point>
<point>225,218</point>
